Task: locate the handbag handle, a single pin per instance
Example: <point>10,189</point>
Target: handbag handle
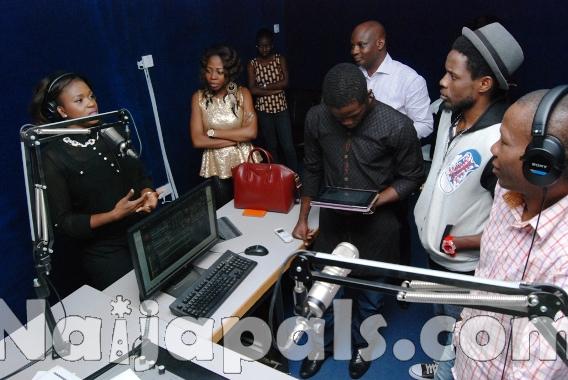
<point>260,150</point>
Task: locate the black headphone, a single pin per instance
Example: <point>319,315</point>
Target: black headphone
<point>50,107</point>
<point>544,159</point>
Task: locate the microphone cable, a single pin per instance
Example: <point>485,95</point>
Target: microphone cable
<point>544,191</point>
<point>50,349</point>
<point>275,291</point>
<point>137,134</point>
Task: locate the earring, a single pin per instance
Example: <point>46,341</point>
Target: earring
<point>232,96</point>
<point>232,88</point>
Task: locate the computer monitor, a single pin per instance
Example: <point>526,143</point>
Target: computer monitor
<point>171,238</point>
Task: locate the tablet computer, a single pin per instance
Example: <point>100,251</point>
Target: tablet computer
<point>347,199</point>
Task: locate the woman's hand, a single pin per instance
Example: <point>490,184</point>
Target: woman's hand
<point>150,201</point>
<point>125,206</point>
<point>248,130</point>
<point>197,131</point>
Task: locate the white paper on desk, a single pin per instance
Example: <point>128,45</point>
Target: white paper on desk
<point>127,375</point>
<point>56,373</point>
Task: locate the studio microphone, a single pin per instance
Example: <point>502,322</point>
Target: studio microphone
<point>320,296</point>
<point>114,138</point>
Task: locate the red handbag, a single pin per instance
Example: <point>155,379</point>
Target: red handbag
<point>264,186</point>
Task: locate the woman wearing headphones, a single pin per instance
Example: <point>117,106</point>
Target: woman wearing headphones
<point>93,194</point>
<point>223,121</point>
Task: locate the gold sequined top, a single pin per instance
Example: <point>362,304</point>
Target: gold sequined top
<point>218,114</point>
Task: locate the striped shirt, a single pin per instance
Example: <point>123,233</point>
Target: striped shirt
<point>481,337</point>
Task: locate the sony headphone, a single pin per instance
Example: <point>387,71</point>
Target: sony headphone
<point>50,107</point>
<point>544,159</point>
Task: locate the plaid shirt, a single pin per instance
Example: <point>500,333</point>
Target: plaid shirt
<point>505,246</point>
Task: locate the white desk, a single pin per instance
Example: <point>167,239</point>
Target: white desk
<point>254,231</point>
<point>90,303</point>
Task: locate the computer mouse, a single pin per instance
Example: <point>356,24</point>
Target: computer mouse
<point>256,250</point>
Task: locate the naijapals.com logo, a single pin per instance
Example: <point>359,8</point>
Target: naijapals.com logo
<point>83,337</point>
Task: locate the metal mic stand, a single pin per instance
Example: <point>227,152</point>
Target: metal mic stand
<point>32,139</point>
<point>538,302</point>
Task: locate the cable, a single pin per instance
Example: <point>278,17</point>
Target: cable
<point>27,365</point>
<point>137,135</point>
<point>544,191</point>
<point>275,291</point>
<point>60,301</point>
<point>50,349</point>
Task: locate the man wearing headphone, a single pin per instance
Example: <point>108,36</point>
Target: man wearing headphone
<point>525,239</point>
<point>454,204</point>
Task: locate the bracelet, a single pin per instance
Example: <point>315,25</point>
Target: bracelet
<point>448,245</point>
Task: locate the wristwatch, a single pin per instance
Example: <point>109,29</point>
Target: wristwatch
<point>448,245</point>
<point>211,133</point>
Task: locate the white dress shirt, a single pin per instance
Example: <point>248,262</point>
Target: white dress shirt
<point>402,88</point>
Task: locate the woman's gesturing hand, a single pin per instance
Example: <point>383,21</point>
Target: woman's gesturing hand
<point>125,206</point>
<point>149,202</point>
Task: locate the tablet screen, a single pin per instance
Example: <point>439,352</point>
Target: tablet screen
<point>346,196</point>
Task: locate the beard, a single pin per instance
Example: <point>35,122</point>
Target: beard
<point>460,106</point>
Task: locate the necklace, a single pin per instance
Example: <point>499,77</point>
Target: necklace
<point>75,143</point>
<point>454,128</point>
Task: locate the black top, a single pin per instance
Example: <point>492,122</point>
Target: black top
<point>85,177</point>
<point>382,151</point>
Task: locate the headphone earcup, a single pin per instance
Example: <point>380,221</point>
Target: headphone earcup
<point>544,159</point>
<point>543,163</point>
<point>50,111</point>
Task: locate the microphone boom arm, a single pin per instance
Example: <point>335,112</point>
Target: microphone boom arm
<point>436,287</point>
<point>32,139</point>
<point>32,135</point>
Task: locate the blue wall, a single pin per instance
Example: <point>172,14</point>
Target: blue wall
<point>420,34</point>
<point>104,39</point>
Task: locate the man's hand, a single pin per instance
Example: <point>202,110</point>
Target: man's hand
<point>303,232</point>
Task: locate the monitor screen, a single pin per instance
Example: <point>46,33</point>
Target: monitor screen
<point>172,237</point>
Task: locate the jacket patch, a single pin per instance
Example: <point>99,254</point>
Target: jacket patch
<point>457,171</point>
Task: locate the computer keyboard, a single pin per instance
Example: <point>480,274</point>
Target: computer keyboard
<point>205,295</point>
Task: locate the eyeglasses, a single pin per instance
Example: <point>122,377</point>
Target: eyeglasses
<point>268,46</point>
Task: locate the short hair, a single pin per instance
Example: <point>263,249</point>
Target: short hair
<point>48,90</point>
<point>343,84</point>
<point>476,64</point>
<point>265,33</point>
<point>231,62</point>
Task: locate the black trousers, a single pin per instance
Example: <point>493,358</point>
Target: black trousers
<point>223,190</point>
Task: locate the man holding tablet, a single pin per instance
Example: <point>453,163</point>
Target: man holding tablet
<point>353,141</point>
